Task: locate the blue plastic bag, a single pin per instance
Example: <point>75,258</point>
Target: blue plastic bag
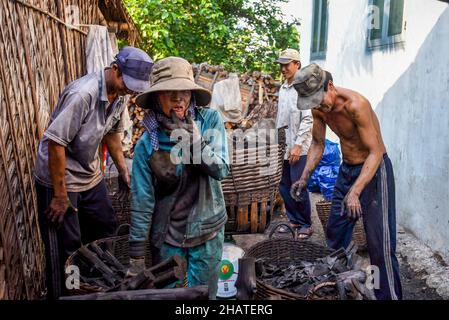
<point>331,155</point>
<point>325,175</point>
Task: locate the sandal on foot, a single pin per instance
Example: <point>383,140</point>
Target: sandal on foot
<point>304,233</point>
<point>285,229</point>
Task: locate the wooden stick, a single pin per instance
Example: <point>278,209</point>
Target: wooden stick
<point>254,217</point>
<point>263,215</point>
<point>195,293</point>
<point>246,280</point>
<point>63,45</point>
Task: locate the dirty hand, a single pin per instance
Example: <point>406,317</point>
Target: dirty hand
<point>296,189</point>
<point>190,126</point>
<point>57,209</point>
<point>136,265</point>
<point>124,184</point>
<point>352,204</point>
<point>195,131</point>
<point>295,154</point>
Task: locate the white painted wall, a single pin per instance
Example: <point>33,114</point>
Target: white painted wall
<point>409,89</point>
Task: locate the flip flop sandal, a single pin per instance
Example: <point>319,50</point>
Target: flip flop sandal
<point>304,233</point>
<point>285,229</point>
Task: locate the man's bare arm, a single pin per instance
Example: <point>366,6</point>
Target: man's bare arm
<point>56,164</point>
<point>314,156</point>
<point>317,147</point>
<point>114,145</point>
<point>60,201</point>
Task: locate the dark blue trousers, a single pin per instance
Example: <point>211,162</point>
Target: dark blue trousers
<point>379,218</point>
<point>95,219</point>
<point>297,212</point>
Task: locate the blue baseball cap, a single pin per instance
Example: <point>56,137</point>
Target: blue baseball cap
<point>135,65</point>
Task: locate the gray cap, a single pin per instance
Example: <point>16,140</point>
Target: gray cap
<point>309,83</point>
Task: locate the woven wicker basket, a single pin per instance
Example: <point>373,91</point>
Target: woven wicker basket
<point>118,246</point>
<point>284,252</point>
<point>323,209</point>
<point>250,190</point>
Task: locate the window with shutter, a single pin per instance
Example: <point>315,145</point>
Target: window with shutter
<point>319,30</point>
<point>387,23</point>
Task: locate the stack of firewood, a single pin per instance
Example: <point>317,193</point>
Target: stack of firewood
<point>264,100</point>
<point>259,92</point>
<point>259,97</point>
<point>136,115</point>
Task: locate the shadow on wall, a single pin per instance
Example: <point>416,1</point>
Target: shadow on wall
<point>415,124</point>
<point>353,57</point>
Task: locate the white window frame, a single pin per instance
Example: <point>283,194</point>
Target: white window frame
<point>320,54</point>
<point>385,40</point>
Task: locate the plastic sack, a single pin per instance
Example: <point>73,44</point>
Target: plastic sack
<point>226,98</point>
<point>331,155</point>
<point>327,177</point>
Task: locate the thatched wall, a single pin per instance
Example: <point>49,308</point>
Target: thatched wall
<point>39,55</point>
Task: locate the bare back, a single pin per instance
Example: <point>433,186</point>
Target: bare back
<point>343,120</point>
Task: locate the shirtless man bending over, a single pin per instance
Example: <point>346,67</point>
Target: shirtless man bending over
<point>365,183</point>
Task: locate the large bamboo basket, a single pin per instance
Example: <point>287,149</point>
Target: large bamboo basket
<point>250,190</point>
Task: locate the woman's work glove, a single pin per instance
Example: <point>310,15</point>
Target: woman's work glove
<point>189,126</point>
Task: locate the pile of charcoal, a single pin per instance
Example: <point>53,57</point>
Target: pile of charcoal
<point>329,278</point>
<point>100,269</point>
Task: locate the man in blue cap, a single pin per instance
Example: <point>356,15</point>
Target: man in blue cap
<point>72,194</point>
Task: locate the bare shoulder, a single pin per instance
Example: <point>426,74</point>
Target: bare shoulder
<point>358,106</point>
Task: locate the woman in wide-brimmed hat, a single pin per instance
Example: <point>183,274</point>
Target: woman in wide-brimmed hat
<point>176,194</point>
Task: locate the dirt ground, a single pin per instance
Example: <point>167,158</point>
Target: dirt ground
<point>414,288</point>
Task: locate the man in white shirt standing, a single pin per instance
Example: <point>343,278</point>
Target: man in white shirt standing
<point>299,137</point>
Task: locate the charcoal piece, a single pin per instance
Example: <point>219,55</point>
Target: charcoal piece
<point>320,270</point>
<point>304,289</point>
<point>260,268</point>
<point>351,252</point>
<point>340,267</point>
<point>108,259</point>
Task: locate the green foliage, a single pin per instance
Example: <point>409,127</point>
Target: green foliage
<point>240,35</point>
